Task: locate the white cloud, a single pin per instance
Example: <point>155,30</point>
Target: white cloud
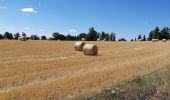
<point>72,31</point>
<point>3,7</point>
<point>28,10</point>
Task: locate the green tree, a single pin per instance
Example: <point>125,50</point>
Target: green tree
<point>107,36</point>
<point>156,33</point>
<point>135,39</point>
<point>43,38</point>
<point>112,37</point>
<point>24,34</point>
<point>70,37</point>
<point>122,39</point>
<point>83,35</point>
<point>93,35</point>
<point>103,35</point>
<point>58,36</point>
<point>1,36</point>
<point>139,37</point>
<point>34,37</point>
<point>150,35</point>
<point>144,38</point>
<point>165,33</point>
<point>16,36</point>
<point>8,35</point>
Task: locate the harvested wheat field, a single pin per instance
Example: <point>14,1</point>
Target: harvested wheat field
<point>47,70</point>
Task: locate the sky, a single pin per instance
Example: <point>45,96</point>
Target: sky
<point>126,18</point>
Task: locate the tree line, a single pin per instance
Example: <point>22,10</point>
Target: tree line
<point>156,33</point>
<point>92,35</point>
<point>10,36</point>
<point>160,34</point>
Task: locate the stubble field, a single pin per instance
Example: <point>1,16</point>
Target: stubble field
<point>47,70</point>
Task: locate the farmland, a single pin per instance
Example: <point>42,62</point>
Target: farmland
<point>53,69</point>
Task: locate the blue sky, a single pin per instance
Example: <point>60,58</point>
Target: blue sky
<point>127,18</point>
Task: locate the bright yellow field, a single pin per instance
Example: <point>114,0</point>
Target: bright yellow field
<point>47,70</point>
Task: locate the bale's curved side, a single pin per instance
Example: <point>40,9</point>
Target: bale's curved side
<point>140,40</point>
<point>83,39</point>
<point>90,49</point>
<point>163,40</point>
<point>78,46</point>
<point>22,38</point>
<point>155,40</point>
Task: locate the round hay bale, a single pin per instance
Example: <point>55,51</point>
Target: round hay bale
<point>155,40</point>
<point>140,40</point>
<point>78,46</point>
<point>98,39</point>
<point>90,49</point>
<point>83,39</point>
<point>22,38</point>
<point>163,40</point>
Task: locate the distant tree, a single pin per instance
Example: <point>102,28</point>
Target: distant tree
<point>112,37</point>
<point>165,33</point>
<point>93,35</point>
<point>150,35</point>
<point>1,36</point>
<point>139,37</point>
<point>24,34</point>
<point>83,35</point>
<point>135,39</point>
<point>58,36</point>
<point>34,37</point>
<point>99,37</point>
<point>70,37</point>
<point>28,38</point>
<point>62,37</point>
<point>144,38</point>
<point>107,36</point>
<point>155,34</point>
<point>103,35</point>
<point>8,35</point>
<point>122,39</point>
<point>43,38</point>
<point>16,36</point>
